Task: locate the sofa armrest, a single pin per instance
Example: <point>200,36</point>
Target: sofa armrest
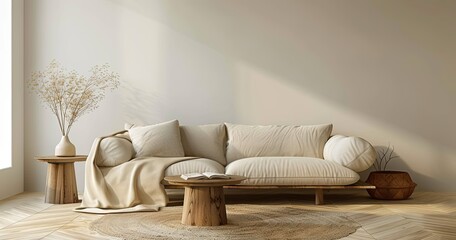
<point>354,153</point>
<point>115,150</point>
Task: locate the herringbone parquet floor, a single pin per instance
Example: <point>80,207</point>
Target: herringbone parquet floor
<point>425,216</point>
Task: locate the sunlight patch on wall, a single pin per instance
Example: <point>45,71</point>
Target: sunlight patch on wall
<point>263,97</point>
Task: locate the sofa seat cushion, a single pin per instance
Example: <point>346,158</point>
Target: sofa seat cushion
<point>198,165</point>
<point>291,171</point>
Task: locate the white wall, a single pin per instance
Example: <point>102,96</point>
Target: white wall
<point>383,70</point>
<point>12,179</point>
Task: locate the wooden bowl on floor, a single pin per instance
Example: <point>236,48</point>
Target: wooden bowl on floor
<point>390,185</point>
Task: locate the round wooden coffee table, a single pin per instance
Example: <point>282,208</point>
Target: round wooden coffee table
<point>204,201</point>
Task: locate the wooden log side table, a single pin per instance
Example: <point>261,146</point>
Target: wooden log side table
<point>61,179</point>
<point>204,201</point>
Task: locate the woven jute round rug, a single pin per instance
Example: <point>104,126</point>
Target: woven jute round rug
<point>245,221</point>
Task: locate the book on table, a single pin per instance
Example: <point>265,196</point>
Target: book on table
<point>204,175</point>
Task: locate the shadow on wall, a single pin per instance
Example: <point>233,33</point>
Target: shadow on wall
<point>398,164</point>
<point>382,59</point>
<point>140,106</point>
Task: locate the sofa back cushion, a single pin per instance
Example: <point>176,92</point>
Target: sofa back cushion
<point>267,141</point>
<point>205,141</point>
<point>159,140</point>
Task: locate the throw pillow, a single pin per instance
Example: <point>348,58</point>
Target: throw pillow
<point>159,140</point>
<point>114,151</point>
<point>205,141</point>
<point>354,153</point>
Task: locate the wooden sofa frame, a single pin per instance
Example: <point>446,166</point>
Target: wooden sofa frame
<point>319,195</point>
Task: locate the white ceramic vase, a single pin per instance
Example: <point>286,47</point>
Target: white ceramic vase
<point>65,148</point>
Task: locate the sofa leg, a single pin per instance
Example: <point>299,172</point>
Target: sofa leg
<point>319,199</point>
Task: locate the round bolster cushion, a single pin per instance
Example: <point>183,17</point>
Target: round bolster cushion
<point>114,151</point>
<point>354,153</point>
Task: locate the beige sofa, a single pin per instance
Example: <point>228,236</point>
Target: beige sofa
<point>268,156</point>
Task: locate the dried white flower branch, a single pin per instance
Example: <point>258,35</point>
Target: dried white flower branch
<point>70,95</point>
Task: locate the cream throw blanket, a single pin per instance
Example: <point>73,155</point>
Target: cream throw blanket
<point>133,186</point>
